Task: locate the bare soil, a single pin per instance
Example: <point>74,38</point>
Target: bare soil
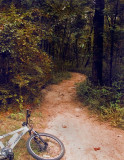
<point>84,136</point>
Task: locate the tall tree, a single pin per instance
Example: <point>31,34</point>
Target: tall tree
<point>112,19</point>
<point>98,42</point>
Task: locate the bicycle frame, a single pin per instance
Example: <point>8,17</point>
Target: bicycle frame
<point>6,151</point>
<point>13,140</point>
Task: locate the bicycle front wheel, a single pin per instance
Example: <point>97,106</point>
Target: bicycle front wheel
<point>54,151</point>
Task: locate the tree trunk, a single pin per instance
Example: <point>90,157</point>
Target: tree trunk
<point>111,55</point>
<point>112,34</point>
<point>98,22</point>
<point>76,53</point>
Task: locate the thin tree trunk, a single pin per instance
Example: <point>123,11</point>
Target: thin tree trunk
<point>111,55</point>
<point>112,34</point>
<point>76,52</point>
<point>64,37</point>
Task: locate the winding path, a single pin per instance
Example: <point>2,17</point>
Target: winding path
<point>84,136</point>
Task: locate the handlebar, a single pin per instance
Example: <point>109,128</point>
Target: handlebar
<point>28,114</point>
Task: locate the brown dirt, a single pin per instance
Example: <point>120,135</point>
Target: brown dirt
<point>84,136</point>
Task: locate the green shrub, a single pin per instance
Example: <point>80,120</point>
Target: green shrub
<point>105,100</point>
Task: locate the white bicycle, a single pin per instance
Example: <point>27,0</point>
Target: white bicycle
<point>41,146</point>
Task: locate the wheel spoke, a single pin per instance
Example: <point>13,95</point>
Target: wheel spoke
<point>52,151</point>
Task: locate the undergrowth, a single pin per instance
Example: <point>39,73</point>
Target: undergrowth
<point>106,101</point>
<point>57,77</point>
<point>13,101</point>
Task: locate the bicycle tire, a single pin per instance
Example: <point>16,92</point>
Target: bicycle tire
<point>32,147</point>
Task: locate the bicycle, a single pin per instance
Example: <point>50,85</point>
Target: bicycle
<point>41,146</point>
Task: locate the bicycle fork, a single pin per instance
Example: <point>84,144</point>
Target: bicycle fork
<point>41,147</point>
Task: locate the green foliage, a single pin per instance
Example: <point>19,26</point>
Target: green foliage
<point>33,30</point>
<point>67,22</point>
<point>105,100</point>
<point>24,67</point>
<point>17,116</point>
<point>59,76</point>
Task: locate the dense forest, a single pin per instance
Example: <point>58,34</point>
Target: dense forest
<point>39,38</point>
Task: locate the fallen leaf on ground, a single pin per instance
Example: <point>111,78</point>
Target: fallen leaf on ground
<point>64,126</point>
<point>97,148</point>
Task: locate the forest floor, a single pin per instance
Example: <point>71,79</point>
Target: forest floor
<point>83,134</point>
<point>85,137</point>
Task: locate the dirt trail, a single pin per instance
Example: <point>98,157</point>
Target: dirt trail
<point>84,137</point>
